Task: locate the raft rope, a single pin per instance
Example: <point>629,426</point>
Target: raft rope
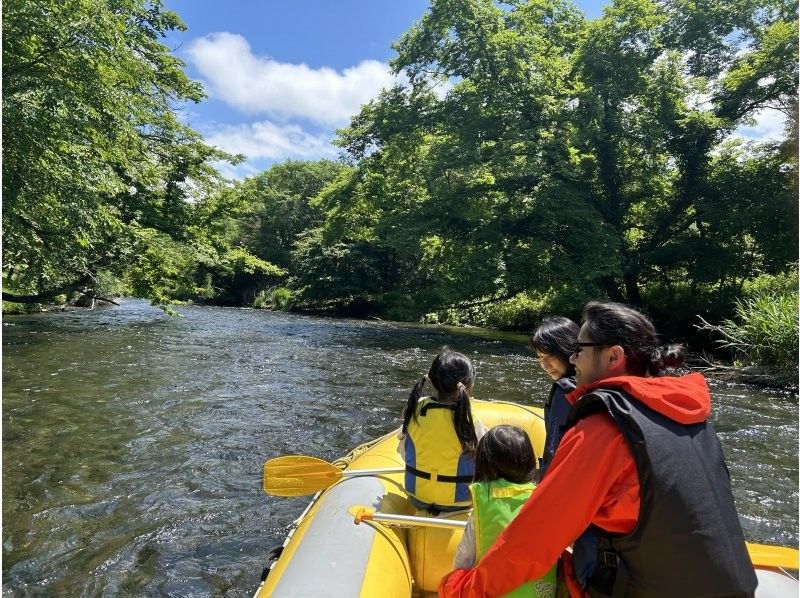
<point>343,462</point>
<point>523,407</point>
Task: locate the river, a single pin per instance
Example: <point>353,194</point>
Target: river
<point>133,442</point>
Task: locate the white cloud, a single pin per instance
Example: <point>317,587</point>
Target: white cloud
<point>266,140</point>
<point>239,171</point>
<point>769,126</point>
<point>262,85</point>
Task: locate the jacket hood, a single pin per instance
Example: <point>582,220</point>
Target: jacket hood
<point>684,399</point>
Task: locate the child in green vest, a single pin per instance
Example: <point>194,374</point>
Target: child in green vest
<point>504,467</point>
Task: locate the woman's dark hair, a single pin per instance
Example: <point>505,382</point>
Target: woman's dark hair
<point>505,452</point>
<point>450,373</point>
<point>556,336</point>
<point>617,324</point>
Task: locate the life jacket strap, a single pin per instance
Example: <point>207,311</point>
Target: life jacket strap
<point>434,405</point>
<point>450,479</point>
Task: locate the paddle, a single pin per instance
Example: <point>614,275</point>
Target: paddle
<point>298,475</point>
<point>361,513</point>
<point>762,555</point>
<point>773,556</point>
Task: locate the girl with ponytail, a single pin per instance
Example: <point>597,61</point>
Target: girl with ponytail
<point>439,436</point>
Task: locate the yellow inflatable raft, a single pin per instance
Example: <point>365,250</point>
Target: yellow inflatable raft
<point>328,555</point>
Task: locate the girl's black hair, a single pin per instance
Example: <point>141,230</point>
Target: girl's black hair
<point>451,372</point>
<point>556,336</point>
<point>617,324</point>
<point>505,452</point>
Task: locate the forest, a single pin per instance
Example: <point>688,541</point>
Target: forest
<point>533,159</point>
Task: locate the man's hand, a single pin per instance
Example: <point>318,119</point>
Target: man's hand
<point>453,584</point>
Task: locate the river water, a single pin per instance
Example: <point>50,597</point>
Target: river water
<point>133,442</point>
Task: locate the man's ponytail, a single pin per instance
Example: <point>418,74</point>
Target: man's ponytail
<point>665,357</point>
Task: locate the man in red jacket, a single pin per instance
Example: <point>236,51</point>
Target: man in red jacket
<point>638,483</point>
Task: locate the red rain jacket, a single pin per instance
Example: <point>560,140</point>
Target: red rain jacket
<point>592,480</point>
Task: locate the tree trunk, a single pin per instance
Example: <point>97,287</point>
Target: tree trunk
<point>632,289</point>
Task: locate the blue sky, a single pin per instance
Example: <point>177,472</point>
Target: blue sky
<point>281,76</point>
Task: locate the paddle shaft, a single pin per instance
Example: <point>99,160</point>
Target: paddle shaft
<point>762,555</point>
<point>348,473</point>
<point>412,520</point>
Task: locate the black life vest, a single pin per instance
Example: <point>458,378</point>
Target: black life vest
<point>556,410</point>
<point>688,540</point>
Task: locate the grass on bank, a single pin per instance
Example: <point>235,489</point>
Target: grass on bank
<point>763,331</point>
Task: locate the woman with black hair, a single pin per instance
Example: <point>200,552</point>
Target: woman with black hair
<point>553,342</point>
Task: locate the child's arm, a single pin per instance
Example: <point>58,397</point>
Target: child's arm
<point>465,553</point>
<point>480,428</point>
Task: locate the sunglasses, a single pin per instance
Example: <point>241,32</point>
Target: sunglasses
<point>578,346</point>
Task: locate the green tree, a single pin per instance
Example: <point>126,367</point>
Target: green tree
<point>565,154</point>
<point>664,83</point>
<point>280,206</point>
<point>96,165</point>
<point>457,193</point>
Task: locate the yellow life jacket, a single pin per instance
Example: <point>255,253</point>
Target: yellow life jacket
<point>438,471</point>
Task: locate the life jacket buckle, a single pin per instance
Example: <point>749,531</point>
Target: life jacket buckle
<point>610,558</point>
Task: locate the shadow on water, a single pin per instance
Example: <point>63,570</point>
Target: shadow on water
<point>133,442</point>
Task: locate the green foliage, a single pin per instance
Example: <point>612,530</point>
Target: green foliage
<point>13,309</point>
<point>93,153</point>
<point>280,208</point>
<point>521,312</point>
<point>764,330</point>
<point>164,271</point>
<point>279,298</point>
<point>783,283</point>
<point>566,160</point>
<point>569,160</point>
<point>108,285</point>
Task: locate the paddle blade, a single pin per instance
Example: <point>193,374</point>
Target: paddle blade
<point>773,556</point>
<point>297,475</point>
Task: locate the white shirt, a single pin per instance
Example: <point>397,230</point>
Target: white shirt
<point>464,557</point>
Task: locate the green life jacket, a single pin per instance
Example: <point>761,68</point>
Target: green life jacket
<point>494,505</point>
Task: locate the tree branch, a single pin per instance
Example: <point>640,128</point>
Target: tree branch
<point>43,296</point>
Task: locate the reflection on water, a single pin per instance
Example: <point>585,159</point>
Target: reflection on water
<point>133,442</point>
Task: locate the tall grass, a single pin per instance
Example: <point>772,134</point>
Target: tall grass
<point>763,332</point>
<point>279,298</point>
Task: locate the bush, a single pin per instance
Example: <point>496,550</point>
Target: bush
<point>764,331</point>
<point>10,308</point>
<point>109,285</point>
<point>521,312</point>
<point>783,284</point>
<point>277,298</point>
